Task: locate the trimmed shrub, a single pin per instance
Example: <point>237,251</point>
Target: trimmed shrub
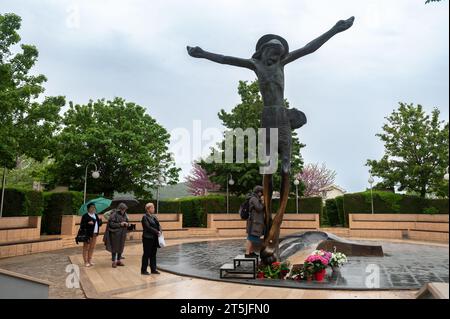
<point>310,205</point>
<point>332,212</point>
<point>195,209</point>
<point>324,222</point>
<point>194,214</point>
<point>391,203</point>
<point>342,216</point>
<point>22,202</point>
<point>57,205</point>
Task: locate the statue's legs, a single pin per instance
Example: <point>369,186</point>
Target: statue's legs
<point>268,190</point>
<point>269,252</point>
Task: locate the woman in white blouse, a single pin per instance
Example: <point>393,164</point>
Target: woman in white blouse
<point>90,223</point>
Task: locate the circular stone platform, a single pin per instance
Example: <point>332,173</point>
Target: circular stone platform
<point>404,266</point>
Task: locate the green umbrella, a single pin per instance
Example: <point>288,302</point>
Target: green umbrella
<point>100,205</point>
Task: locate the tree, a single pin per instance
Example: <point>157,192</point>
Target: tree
<point>245,115</point>
<point>316,177</point>
<point>416,151</point>
<point>199,183</point>
<point>28,171</point>
<point>27,127</point>
<point>128,146</point>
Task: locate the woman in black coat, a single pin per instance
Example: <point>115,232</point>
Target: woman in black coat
<point>151,230</point>
<point>90,224</point>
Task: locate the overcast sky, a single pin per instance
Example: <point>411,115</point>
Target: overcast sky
<point>396,51</point>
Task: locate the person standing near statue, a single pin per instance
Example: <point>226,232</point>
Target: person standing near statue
<point>151,230</point>
<point>255,222</point>
<point>116,234</point>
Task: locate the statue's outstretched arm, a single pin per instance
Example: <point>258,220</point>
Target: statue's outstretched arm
<point>198,52</point>
<point>315,44</point>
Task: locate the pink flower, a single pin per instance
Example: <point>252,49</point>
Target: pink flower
<point>317,258</point>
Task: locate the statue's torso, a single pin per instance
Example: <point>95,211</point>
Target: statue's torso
<point>271,83</point>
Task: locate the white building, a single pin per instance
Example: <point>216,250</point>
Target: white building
<point>332,191</point>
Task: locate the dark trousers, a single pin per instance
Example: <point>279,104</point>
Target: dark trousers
<point>116,256</point>
<point>150,247</point>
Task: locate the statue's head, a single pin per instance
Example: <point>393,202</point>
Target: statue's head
<point>271,48</point>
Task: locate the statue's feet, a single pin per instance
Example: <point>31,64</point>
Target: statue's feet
<point>268,256</point>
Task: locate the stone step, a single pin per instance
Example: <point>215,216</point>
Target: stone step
<point>229,271</point>
<point>243,258</point>
<point>227,267</point>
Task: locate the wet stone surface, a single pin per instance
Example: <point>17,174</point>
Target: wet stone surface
<point>49,266</point>
<point>404,266</point>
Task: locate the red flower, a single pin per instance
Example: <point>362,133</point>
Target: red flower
<point>276,264</point>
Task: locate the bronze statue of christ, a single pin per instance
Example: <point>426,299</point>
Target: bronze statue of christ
<point>272,54</point>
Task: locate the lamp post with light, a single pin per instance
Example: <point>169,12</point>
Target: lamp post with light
<point>230,182</point>
<point>371,181</point>
<point>161,180</point>
<point>95,174</point>
<point>3,191</point>
<point>296,183</point>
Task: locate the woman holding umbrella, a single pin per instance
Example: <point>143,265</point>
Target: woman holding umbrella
<point>90,225</point>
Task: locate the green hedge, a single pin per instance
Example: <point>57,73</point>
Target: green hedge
<point>57,205</point>
<point>21,202</point>
<point>340,207</point>
<point>390,203</point>
<point>324,222</point>
<point>195,209</point>
<point>342,216</point>
<point>331,210</point>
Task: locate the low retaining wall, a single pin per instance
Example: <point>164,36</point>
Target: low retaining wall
<point>14,229</point>
<point>232,224</point>
<point>400,226</point>
<point>172,225</point>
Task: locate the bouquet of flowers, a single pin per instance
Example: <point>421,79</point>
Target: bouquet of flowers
<point>299,272</point>
<point>337,260</point>
<point>317,261</point>
<point>276,270</point>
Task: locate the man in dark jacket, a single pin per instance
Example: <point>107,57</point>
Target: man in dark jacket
<point>255,222</point>
<point>151,230</point>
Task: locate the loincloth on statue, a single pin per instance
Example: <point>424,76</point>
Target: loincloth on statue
<point>279,116</point>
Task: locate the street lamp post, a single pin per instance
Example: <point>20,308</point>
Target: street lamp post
<point>230,182</point>
<point>371,181</point>
<point>296,183</point>
<point>161,180</point>
<point>95,175</point>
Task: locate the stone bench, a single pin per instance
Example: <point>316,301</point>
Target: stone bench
<point>400,226</point>
<point>230,225</point>
<point>169,222</point>
<point>19,228</point>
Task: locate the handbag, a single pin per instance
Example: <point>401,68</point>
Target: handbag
<point>82,237</point>
<point>161,241</point>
